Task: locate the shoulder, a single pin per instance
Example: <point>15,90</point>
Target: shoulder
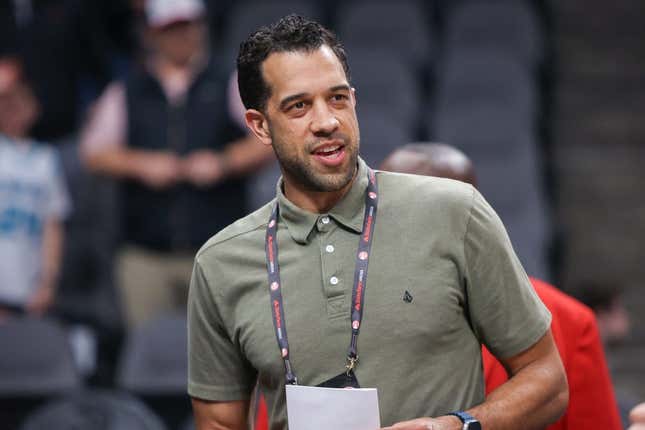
<point>235,237</point>
<point>447,194</point>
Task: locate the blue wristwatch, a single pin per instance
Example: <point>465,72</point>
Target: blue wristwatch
<point>470,423</point>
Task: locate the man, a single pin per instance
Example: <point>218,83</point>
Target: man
<point>33,202</point>
<point>435,288</point>
<point>168,135</point>
<point>591,397</point>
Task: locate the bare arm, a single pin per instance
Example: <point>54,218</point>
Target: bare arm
<point>104,148</point>
<point>241,157</point>
<point>157,169</point>
<point>535,395</point>
<point>246,155</point>
<point>51,253</point>
<point>211,415</point>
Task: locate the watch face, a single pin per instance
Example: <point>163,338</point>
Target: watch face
<point>472,425</point>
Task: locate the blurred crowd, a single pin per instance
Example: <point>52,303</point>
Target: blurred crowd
<point>123,148</point>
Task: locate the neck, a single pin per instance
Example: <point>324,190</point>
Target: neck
<point>164,66</point>
<point>15,134</point>
<point>314,201</point>
<point>168,64</point>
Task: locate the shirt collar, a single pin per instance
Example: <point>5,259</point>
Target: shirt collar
<point>348,212</point>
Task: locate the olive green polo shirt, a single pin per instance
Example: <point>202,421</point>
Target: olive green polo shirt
<point>442,279</point>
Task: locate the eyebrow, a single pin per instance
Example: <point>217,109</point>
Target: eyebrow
<point>340,87</point>
<point>285,101</point>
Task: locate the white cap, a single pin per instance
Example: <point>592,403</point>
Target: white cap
<point>160,13</point>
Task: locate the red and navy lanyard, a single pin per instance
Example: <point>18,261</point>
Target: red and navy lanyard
<point>360,279</point>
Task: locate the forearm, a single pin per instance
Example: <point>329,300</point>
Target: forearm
<point>52,252</point>
<point>534,397</point>
<point>211,415</point>
<point>245,156</point>
<point>119,162</point>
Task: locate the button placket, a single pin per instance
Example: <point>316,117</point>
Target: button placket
<point>332,288</point>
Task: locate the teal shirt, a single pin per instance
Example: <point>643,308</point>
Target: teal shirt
<point>436,239</point>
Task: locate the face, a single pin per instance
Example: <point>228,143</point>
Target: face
<point>310,119</point>
<point>179,42</point>
<point>614,322</point>
<point>18,106</point>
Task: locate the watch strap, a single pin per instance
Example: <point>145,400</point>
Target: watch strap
<point>467,419</point>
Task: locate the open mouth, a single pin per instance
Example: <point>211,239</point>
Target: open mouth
<point>331,152</point>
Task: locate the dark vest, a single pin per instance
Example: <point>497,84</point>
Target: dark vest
<point>184,216</point>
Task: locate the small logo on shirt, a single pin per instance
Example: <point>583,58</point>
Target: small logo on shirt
<point>362,255</point>
<point>407,297</point>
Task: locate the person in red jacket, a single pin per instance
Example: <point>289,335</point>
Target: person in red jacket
<point>592,403</point>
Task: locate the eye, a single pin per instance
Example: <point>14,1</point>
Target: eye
<point>339,97</point>
<point>298,105</point>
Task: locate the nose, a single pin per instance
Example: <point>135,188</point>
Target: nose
<point>324,121</point>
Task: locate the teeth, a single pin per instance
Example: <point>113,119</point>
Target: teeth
<point>330,149</point>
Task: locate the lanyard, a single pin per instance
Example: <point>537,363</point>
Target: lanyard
<point>358,291</point>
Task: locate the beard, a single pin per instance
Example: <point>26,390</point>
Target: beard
<point>302,171</point>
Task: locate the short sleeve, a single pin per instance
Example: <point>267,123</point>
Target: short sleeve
<point>216,368</point>
<point>57,201</point>
<point>106,127</point>
<point>506,313</point>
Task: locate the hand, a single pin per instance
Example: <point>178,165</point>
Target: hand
<point>637,417</point>
<point>204,167</point>
<point>40,301</point>
<point>447,422</point>
<point>160,170</point>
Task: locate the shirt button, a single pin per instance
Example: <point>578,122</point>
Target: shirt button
<point>333,280</point>
<point>329,248</point>
<point>324,220</point>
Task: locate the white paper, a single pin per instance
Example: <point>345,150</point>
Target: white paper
<point>316,408</point>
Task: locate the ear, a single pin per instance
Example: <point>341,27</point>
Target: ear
<point>258,123</point>
<point>353,96</point>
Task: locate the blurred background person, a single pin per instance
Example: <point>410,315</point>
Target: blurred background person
<point>167,133</point>
<point>33,202</point>
<point>605,298</point>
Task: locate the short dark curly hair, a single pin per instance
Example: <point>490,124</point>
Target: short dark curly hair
<point>289,34</point>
